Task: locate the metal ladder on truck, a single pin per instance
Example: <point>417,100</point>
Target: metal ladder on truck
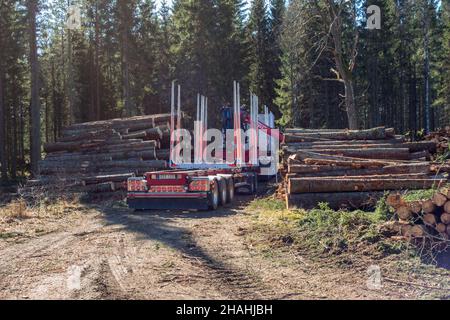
<point>198,184</point>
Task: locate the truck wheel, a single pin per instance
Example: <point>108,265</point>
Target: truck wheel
<point>230,189</point>
<point>255,184</point>
<point>213,196</point>
<point>223,192</point>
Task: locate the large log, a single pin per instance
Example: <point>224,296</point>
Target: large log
<point>404,213</point>
<point>361,144</point>
<point>439,199</point>
<point>146,154</point>
<point>428,206</point>
<point>367,143</point>
<point>98,188</point>
<point>90,135</point>
<point>373,153</point>
<point>69,146</point>
<point>447,207</point>
<point>150,134</point>
<point>340,160</point>
<point>350,200</point>
<point>133,164</point>
<point>163,154</point>
<point>370,134</point>
<point>331,184</point>
<point>318,170</point>
<point>440,168</point>
<point>445,218</point>
<point>134,146</point>
<point>107,178</point>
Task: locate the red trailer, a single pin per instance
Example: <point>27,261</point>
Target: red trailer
<point>201,185</point>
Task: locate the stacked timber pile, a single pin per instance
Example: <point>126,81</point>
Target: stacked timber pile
<point>441,138</point>
<point>351,169</point>
<point>100,156</point>
<point>441,162</point>
<point>428,218</point>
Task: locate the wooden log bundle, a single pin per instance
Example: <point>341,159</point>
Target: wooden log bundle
<point>100,156</point>
<point>441,138</point>
<point>352,168</point>
<point>423,218</point>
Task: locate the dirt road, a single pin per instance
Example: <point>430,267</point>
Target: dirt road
<point>115,253</point>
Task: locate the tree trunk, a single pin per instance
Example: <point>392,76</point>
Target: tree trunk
<point>352,113</point>
<point>3,164</point>
<point>35,104</point>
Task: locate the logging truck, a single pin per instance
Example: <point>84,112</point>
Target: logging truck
<point>246,149</point>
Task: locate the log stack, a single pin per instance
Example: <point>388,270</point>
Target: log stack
<point>422,218</point>
<point>100,156</point>
<point>441,138</point>
<point>352,168</point>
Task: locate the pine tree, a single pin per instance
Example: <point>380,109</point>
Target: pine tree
<point>32,6</point>
<point>443,101</point>
<point>261,82</point>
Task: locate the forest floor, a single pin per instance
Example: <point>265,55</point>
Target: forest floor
<point>70,250</point>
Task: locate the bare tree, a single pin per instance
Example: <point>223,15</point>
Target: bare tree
<point>343,49</point>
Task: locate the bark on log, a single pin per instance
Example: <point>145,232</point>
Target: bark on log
<point>107,178</point>
<point>90,135</point>
<point>100,187</point>
<point>337,160</point>
<point>78,157</point>
<point>374,153</point>
<point>314,144</point>
<point>68,146</point>
<point>350,200</point>
<point>420,155</point>
<point>370,134</point>
<point>301,185</point>
<point>350,164</point>
<point>163,154</point>
<point>137,146</point>
<point>317,170</point>
<point>133,164</point>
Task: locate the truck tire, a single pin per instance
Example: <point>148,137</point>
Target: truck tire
<point>223,192</point>
<point>213,195</point>
<point>255,184</point>
<point>230,189</point>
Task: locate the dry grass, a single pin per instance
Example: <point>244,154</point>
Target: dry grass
<point>16,210</point>
<point>22,219</point>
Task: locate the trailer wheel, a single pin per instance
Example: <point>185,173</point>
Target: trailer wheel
<point>223,192</point>
<point>213,195</point>
<point>230,189</point>
<point>255,184</point>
